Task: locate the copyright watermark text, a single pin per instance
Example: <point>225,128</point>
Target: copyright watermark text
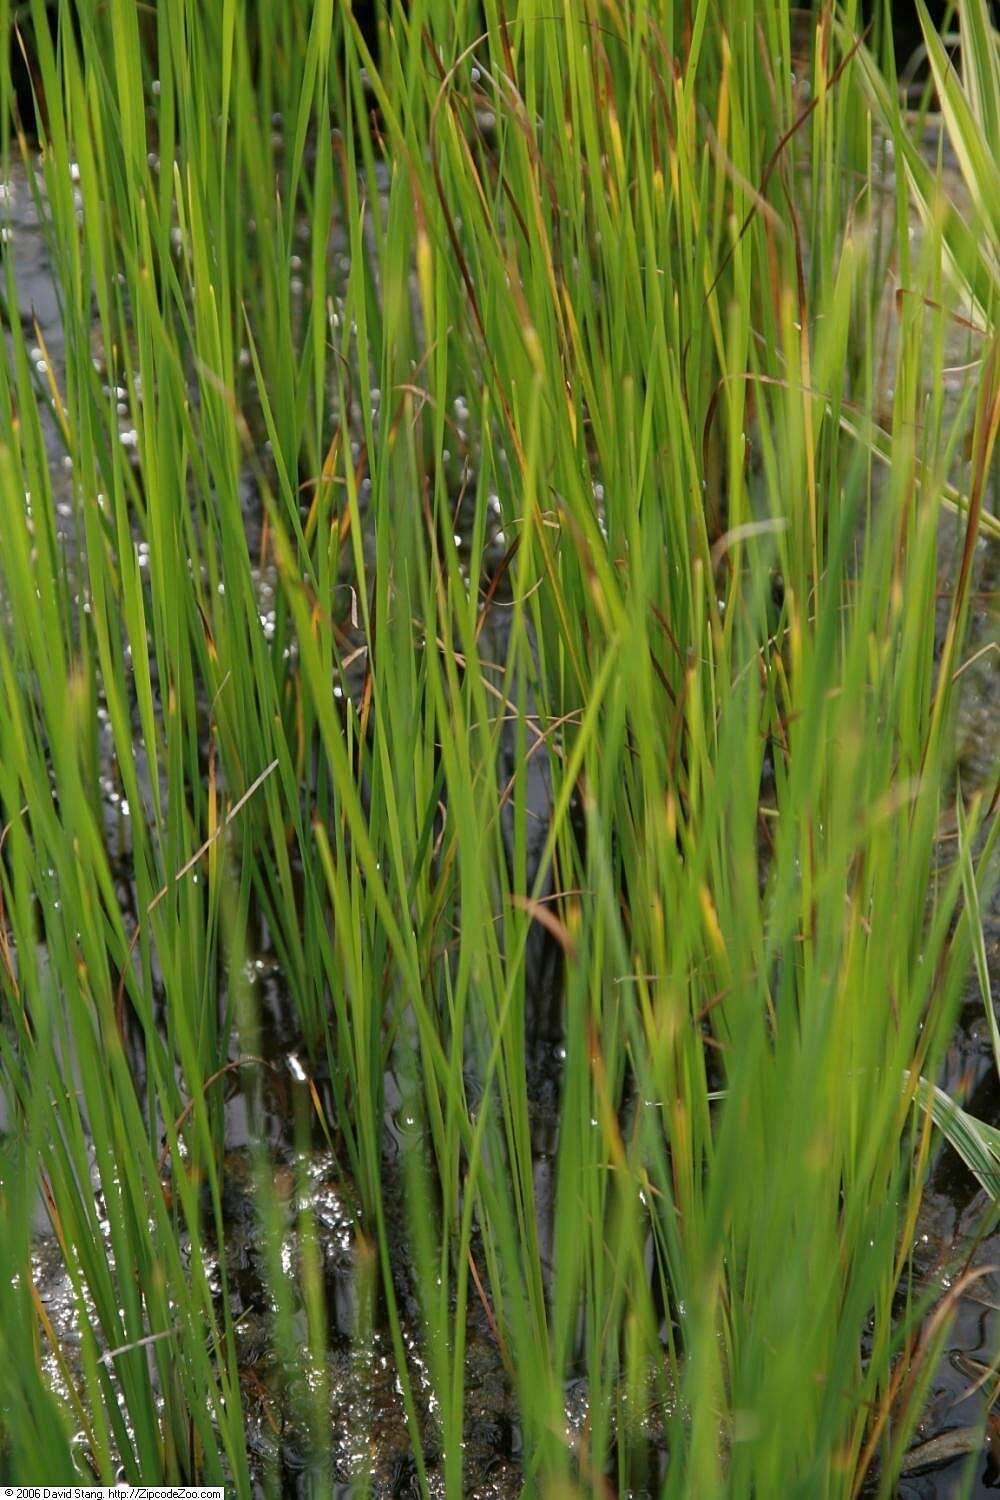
<point>114,1492</point>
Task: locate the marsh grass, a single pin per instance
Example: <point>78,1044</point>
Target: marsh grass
<point>609,284</point>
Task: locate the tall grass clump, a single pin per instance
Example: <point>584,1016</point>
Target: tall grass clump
<point>467,524</point>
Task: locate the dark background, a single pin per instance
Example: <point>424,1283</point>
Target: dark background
<point>905,27</point>
<point>907,35</point>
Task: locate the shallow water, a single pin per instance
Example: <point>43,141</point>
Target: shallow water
<point>366,1413</point>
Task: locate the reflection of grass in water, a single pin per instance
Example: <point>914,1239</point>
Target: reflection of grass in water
<point>600,256</point>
